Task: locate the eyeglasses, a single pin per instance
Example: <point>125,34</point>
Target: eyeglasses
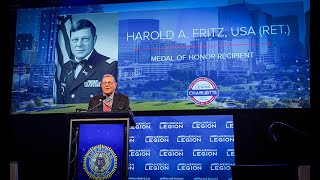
<point>107,83</point>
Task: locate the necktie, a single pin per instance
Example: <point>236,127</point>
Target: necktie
<point>75,63</point>
<point>106,106</point>
<point>76,68</point>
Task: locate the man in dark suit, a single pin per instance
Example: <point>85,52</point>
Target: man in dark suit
<point>80,77</point>
<point>109,100</point>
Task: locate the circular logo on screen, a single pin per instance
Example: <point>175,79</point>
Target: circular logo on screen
<point>100,162</point>
<point>202,91</point>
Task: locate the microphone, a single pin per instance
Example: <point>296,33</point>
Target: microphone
<point>103,98</point>
<point>100,102</point>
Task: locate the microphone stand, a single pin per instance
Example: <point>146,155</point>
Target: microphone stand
<point>95,106</point>
<point>271,131</point>
<point>101,101</point>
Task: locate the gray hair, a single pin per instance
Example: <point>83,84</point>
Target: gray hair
<point>109,75</point>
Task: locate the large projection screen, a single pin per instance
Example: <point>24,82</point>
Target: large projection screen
<point>168,55</point>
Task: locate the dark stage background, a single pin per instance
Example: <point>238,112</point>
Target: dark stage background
<point>40,142</point>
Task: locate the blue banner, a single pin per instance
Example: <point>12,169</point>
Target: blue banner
<point>182,148</point>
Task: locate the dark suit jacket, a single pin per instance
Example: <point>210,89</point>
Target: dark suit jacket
<point>87,84</point>
<point>120,103</point>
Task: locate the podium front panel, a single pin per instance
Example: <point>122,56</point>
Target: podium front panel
<point>98,149</point>
<point>101,151</point>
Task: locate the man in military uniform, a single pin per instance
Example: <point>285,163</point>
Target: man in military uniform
<point>81,76</point>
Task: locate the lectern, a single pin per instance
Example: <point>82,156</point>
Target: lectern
<point>99,145</point>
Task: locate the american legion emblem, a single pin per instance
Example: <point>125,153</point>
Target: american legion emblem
<point>100,162</point>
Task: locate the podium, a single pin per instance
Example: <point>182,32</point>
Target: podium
<point>99,145</point>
